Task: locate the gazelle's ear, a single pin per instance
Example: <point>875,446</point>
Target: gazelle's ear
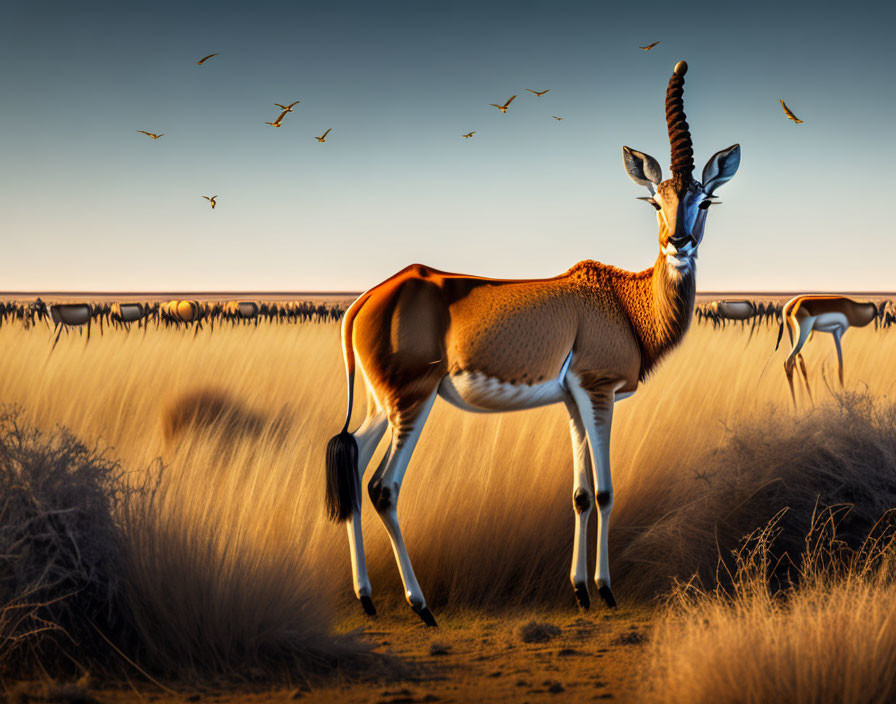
<point>643,168</point>
<point>720,168</point>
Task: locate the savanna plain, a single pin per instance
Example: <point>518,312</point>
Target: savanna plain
<point>163,534</point>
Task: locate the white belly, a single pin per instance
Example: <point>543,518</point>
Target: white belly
<point>473,391</point>
<point>829,322</point>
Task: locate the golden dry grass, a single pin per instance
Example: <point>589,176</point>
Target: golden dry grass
<point>832,638</point>
<point>236,545</point>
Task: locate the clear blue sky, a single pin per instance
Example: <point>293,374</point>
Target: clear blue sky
<point>88,203</point>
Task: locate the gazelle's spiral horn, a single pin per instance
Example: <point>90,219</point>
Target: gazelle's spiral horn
<point>679,134</point>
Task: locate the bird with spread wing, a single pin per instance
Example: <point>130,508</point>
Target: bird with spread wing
<point>503,108</point>
<point>286,108</point>
<point>468,135</point>
<point>211,200</point>
<point>538,93</point>
<point>649,46</point>
<point>205,58</point>
<point>151,134</point>
<point>276,123</point>
<point>323,137</point>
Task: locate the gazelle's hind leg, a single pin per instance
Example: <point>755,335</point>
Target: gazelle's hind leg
<point>805,327</point>
<point>805,375</point>
<point>582,503</point>
<point>368,437</point>
<point>838,333</point>
<point>385,486</point>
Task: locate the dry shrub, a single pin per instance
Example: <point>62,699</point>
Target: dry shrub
<point>829,638</point>
<point>842,453</point>
<point>100,573</point>
<point>59,549</point>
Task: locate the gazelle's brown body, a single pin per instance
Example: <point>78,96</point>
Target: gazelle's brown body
<point>585,338</point>
<point>617,325</point>
<point>803,315</point>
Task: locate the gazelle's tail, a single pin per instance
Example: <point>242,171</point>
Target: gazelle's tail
<point>343,482</point>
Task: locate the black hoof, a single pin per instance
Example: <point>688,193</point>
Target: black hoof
<point>606,594</point>
<point>426,615</point>
<point>367,605</point>
<point>582,598</point>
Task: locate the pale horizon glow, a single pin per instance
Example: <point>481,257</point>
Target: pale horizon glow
<point>89,204</point>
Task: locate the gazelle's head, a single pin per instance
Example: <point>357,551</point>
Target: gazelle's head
<point>681,202</point>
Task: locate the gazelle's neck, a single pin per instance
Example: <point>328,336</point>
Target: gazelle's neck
<point>660,303</point>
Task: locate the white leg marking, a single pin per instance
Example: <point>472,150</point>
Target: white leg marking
<point>597,424</point>
<point>581,494</point>
<point>396,463</point>
<point>368,437</point>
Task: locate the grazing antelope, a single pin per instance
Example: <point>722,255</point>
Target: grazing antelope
<point>585,338</point>
<point>126,313</point>
<point>649,46</point>
<point>789,113</point>
<point>503,108</point>
<point>538,93</point>
<point>66,315</point>
<point>834,314</point>
<point>205,58</point>
<point>323,137</point>
<point>241,310</point>
<point>150,134</point>
<point>211,200</point>
<point>177,312</point>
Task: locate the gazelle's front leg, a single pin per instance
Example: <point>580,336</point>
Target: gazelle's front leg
<point>582,503</point>
<point>594,400</point>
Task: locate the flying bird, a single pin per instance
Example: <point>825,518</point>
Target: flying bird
<point>503,108</point>
<point>150,134</point>
<point>537,93</point>
<point>211,200</point>
<point>649,46</point>
<point>323,137</point>
<point>286,108</point>
<point>468,135</point>
<point>276,123</point>
<point>205,58</point>
<point>789,114</point>
<point>556,118</point>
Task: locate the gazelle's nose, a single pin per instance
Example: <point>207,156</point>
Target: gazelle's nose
<point>682,240</point>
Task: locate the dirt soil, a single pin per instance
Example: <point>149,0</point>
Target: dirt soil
<point>470,658</point>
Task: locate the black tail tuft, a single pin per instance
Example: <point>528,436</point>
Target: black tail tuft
<point>342,476</point>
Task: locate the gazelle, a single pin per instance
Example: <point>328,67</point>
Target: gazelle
<point>834,314</point>
<point>585,338</point>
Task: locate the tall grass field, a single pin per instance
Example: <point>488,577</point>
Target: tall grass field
<point>225,560</point>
